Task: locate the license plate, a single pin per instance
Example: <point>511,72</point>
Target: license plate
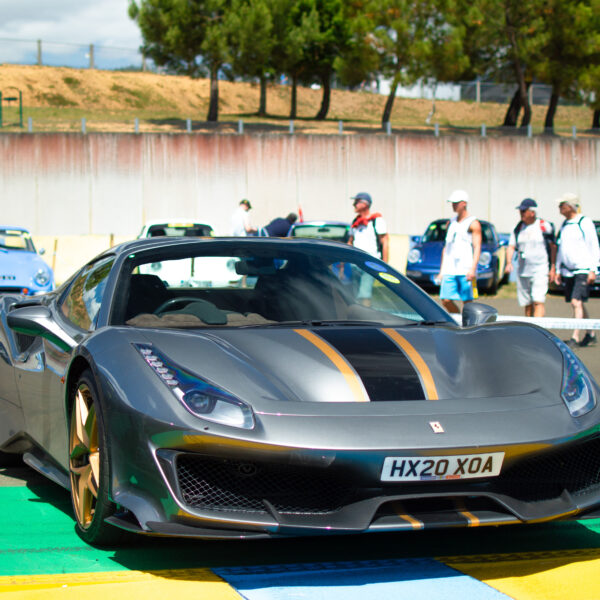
<point>434,468</point>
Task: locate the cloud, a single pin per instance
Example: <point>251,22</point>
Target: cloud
<point>64,24</point>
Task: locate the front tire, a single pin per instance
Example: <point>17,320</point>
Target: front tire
<point>88,467</point>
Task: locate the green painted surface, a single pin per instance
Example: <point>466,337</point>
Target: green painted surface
<point>37,536</point>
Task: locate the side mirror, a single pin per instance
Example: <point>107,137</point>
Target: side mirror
<point>41,251</point>
<point>476,313</point>
<point>37,321</point>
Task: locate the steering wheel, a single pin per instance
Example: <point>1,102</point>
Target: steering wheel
<point>166,306</point>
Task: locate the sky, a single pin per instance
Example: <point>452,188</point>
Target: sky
<point>67,28</point>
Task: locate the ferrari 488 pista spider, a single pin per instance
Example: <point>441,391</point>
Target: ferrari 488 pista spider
<point>300,398</point>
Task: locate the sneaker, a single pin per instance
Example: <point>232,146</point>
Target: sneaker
<point>588,340</point>
<point>572,343</point>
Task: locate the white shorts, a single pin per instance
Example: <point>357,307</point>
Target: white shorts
<point>532,289</point>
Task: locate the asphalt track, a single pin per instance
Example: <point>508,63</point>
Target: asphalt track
<point>42,557</point>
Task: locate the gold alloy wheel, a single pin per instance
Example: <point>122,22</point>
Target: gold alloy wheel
<point>84,456</point>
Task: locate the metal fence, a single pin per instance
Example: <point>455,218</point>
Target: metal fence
<point>479,91</point>
<point>65,54</point>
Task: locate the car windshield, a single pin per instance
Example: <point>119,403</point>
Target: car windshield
<point>15,239</point>
<point>266,285</point>
<point>436,232</point>
<point>339,233</point>
<point>179,230</point>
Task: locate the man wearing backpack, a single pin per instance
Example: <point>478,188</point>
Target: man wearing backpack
<point>533,241</point>
<point>369,230</point>
<point>577,262</point>
<point>369,233</point>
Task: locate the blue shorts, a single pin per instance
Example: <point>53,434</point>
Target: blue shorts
<point>456,287</point>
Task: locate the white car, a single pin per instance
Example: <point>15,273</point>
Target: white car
<point>211,271</point>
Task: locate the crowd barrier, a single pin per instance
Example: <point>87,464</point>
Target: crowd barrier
<point>548,322</point>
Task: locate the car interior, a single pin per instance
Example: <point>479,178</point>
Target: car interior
<point>266,294</point>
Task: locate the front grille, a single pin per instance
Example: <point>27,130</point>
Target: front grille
<point>10,290</point>
<point>232,485</point>
<point>576,469</point>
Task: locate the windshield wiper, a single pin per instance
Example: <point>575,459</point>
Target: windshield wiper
<point>429,323</point>
<point>319,323</point>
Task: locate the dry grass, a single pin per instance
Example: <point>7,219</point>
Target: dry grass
<point>58,98</point>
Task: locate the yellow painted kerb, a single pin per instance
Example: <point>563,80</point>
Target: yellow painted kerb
<point>182,584</point>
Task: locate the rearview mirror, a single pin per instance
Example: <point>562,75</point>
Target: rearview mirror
<point>476,313</point>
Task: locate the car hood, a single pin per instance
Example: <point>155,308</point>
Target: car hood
<point>282,370</point>
<point>18,267</point>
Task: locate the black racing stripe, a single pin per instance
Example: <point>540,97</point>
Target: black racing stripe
<point>385,370</point>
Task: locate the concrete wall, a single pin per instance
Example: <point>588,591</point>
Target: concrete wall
<point>111,183</point>
<point>104,184</point>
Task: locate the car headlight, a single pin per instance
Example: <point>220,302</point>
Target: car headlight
<point>485,259</point>
<point>576,389</point>
<point>414,255</point>
<point>42,277</point>
<point>199,397</point>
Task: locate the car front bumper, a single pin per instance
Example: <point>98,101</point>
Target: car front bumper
<point>221,488</point>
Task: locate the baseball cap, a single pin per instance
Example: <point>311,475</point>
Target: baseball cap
<point>527,203</point>
<point>458,196</point>
<point>246,202</point>
<point>569,198</point>
<point>363,196</point>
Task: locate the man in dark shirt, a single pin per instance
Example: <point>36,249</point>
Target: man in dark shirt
<point>280,227</point>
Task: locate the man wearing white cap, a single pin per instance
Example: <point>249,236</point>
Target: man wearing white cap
<point>460,255</point>
<point>577,262</point>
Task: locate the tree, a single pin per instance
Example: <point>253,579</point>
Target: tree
<point>186,36</point>
<point>572,48</point>
<point>359,60</point>
<point>501,39</point>
<point>322,29</point>
<point>291,30</point>
<point>250,25</point>
<point>590,85</point>
<point>414,40</point>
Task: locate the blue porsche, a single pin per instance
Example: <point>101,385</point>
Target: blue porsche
<point>22,269</point>
<point>424,258</point>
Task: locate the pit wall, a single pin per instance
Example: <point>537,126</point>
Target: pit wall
<point>66,253</point>
<point>110,184</point>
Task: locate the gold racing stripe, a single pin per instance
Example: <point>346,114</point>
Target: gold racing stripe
<point>352,379</point>
<point>417,360</point>
<point>462,509</point>
<point>399,509</point>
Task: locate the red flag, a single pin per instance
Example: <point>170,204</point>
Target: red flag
<point>300,215</point>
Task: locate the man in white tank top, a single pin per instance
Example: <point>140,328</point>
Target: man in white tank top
<point>460,255</point>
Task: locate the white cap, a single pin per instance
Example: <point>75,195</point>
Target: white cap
<point>569,198</point>
<point>458,196</point>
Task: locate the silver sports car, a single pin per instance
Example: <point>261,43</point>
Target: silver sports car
<point>317,392</point>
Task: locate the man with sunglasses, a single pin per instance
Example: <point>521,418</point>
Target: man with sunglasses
<point>533,242</point>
